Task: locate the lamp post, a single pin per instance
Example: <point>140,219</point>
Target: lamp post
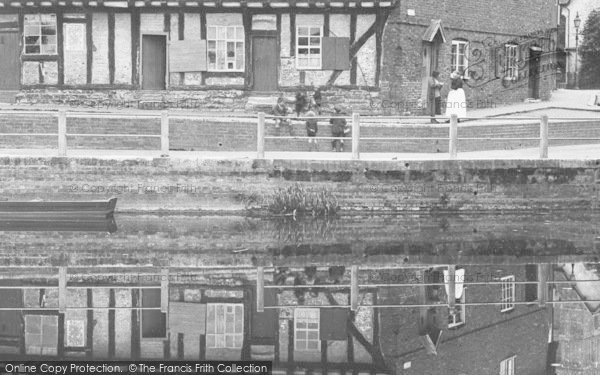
<point>577,23</point>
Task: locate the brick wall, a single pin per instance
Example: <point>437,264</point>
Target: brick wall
<point>467,349</point>
<point>239,134</point>
<point>479,24</point>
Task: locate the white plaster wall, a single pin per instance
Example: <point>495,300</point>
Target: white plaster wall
<point>285,36</point>
<point>122,48</point>
<point>264,22</point>
<point>174,35</point>
<point>224,19</point>
<point>75,61</point>
<point>152,22</point>
<point>191,30</point>
<point>191,26</point>
<point>366,56</point>
<point>100,74</point>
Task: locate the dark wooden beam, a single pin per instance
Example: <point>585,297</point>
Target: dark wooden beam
<point>180,34</point>
<point>135,47</point>
<point>326,24</point>
<point>247,21</point>
<point>353,59</point>
<point>89,46</point>
<point>354,48</point>
<point>111,322</point>
<point>60,47</point>
<point>90,325</point>
<point>111,47</point>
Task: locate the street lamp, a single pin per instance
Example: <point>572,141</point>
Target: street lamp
<point>577,23</point>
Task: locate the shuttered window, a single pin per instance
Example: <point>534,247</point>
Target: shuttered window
<point>336,53</point>
<point>511,68</point>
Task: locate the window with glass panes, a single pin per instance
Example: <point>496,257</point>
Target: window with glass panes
<point>306,329</point>
<point>39,32</point>
<point>507,366</point>
<point>508,293</point>
<point>225,48</point>
<point>224,325</point>
<point>308,47</point>
<point>511,64</point>
<point>460,55</point>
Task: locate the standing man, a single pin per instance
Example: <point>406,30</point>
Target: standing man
<point>434,96</point>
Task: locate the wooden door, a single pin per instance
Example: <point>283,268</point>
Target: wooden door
<point>264,62</point>
<point>9,61</point>
<point>534,73</point>
<point>154,62</point>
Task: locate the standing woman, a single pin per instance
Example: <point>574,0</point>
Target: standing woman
<point>456,104</point>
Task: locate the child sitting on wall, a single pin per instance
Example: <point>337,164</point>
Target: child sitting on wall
<point>280,109</point>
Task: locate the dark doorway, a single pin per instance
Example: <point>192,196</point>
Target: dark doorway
<point>154,322</point>
<point>9,61</point>
<point>154,62</point>
<point>531,290</point>
<point>265,61</point>
<point>534,72</point>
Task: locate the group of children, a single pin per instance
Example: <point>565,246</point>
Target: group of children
<point>310,108</point>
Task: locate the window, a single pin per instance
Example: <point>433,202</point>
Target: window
<point>507,367</point>
<point>306,329</point>
<point>508,293</point>
<point>225,48</point>
<point>460,57</point>
<point>511,68</point>
<point>224,325</point>
<point>457,318</point>
<point>39,31</point>
<point>308,47</point>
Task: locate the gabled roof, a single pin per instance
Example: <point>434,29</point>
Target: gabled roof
<point>435,27</point>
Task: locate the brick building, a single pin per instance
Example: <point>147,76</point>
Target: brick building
<point>505,49</point>
<point>502,339</point>
<point>217,53</point>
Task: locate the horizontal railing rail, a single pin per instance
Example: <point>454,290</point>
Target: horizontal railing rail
<point>354,122</point>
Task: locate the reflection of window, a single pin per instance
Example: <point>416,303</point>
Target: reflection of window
<point>458,317</point>
<point>511,68</point>
<point>306,329</point>
<point>460,55</point>
<point>39,31</point>
<point>225,48</point>
<point>507,367</point>
<point>508,293</point>
<point>224,325</point>
<point>308,47</point>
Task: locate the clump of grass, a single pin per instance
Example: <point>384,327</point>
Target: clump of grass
<point>298,201</point>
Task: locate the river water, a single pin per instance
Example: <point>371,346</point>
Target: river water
<point>360,294</point>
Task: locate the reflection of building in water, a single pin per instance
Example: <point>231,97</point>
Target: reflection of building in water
<point>577,325</point>
<point>507,335</point>
<point>472,319</point>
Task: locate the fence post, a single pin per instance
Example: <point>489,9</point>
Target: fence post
<point>260,136</point>
<point>354,288</point>
<point>355,135</point>
<point>544,137</point>
<point>453,144</point>
<point>260,289</point>
<point>451,286</point>
<point>164,133</point>
<point>62,133</point>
